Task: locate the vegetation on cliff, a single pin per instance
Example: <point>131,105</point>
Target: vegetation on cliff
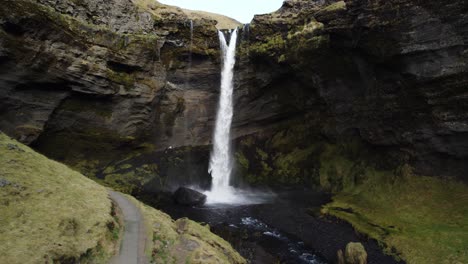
<point>415,218</point>
<point>418,219</point>
<point>50,213</point>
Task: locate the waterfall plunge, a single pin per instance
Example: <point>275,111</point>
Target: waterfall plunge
<point>221,160</point>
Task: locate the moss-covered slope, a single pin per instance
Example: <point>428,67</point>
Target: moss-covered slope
<point>50,213</point>
<point>418,219</point>
<point>415,218</point>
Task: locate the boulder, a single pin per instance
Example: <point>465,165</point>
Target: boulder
<point>190,197</point>
<point>340,257</point>
<point>355,253</point>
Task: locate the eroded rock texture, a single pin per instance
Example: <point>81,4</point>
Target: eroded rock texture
<point>109,86</point>
<point>392,74</point>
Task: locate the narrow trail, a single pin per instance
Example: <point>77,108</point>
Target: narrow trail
<point>132,247</point>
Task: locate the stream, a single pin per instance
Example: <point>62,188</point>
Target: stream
<point>281,230</point>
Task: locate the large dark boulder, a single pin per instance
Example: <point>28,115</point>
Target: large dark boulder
<point>190,197</point>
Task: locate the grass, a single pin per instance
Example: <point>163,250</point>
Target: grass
<point>49,212</point>
<point>183,241</point>
<point>52,214</point>
<point>158,9</point>
<point>419,219</point>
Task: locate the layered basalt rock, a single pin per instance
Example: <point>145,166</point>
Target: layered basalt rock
<point>86,79</point>
<point>390,74</point>
<point>101,85</point>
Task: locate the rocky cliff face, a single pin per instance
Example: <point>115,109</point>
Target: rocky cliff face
<point>114,68</point>
<point>87,80</point>
<point>389,74</point>
<point>109,86</point>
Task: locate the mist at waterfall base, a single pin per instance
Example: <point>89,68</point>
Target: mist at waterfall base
<point>221,163</point>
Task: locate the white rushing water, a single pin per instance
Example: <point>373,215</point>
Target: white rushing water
<point>221,157</point>
<point>191,44</point>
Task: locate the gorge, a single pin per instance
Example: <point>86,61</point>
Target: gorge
<point>353,112</point>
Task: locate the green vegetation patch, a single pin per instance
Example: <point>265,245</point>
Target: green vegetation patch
<point>50,213</point>
<point>272,46</point>
<point>424,219</point>
<point>416,218</point>
<point>127,178</point>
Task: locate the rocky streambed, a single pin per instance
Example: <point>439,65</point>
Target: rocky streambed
<point>285,229</point>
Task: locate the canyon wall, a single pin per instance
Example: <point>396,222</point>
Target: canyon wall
<point>389,76</point>
<point>121,92</point>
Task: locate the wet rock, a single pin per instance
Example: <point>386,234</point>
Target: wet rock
<point>340,257</point>
<point>189,244</point>
<point>190,197</point>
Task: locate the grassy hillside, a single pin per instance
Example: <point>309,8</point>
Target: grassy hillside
<point>52,214</point>
<point>420,219</point>
<point>158,9</point>
<point>49,212</point>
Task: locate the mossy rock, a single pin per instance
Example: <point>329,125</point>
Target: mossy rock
<point>355,253</point>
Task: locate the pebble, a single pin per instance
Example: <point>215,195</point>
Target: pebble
<point>14,147</point>
<point>4,183</point>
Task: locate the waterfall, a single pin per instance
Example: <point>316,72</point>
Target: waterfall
<point>221,160</point>
<point>191,43</point>
<point>189,65</point>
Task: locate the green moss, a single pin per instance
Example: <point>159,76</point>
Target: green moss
<point>40,188</point>
<point>247,142</point>
<point>282,58</point>
<point>126,79</point>
<point>336,171</point>
<point>262,155</point>
<point>128,166</point>
<point>242,160</point>
<point>341,5</point>
<point>286,157</point>
<point>78,31</point>
<point>288,167</point>
<point>421,217</point>
<point>271,46</point>
<point>309,30</point>
<point>127,179</point>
